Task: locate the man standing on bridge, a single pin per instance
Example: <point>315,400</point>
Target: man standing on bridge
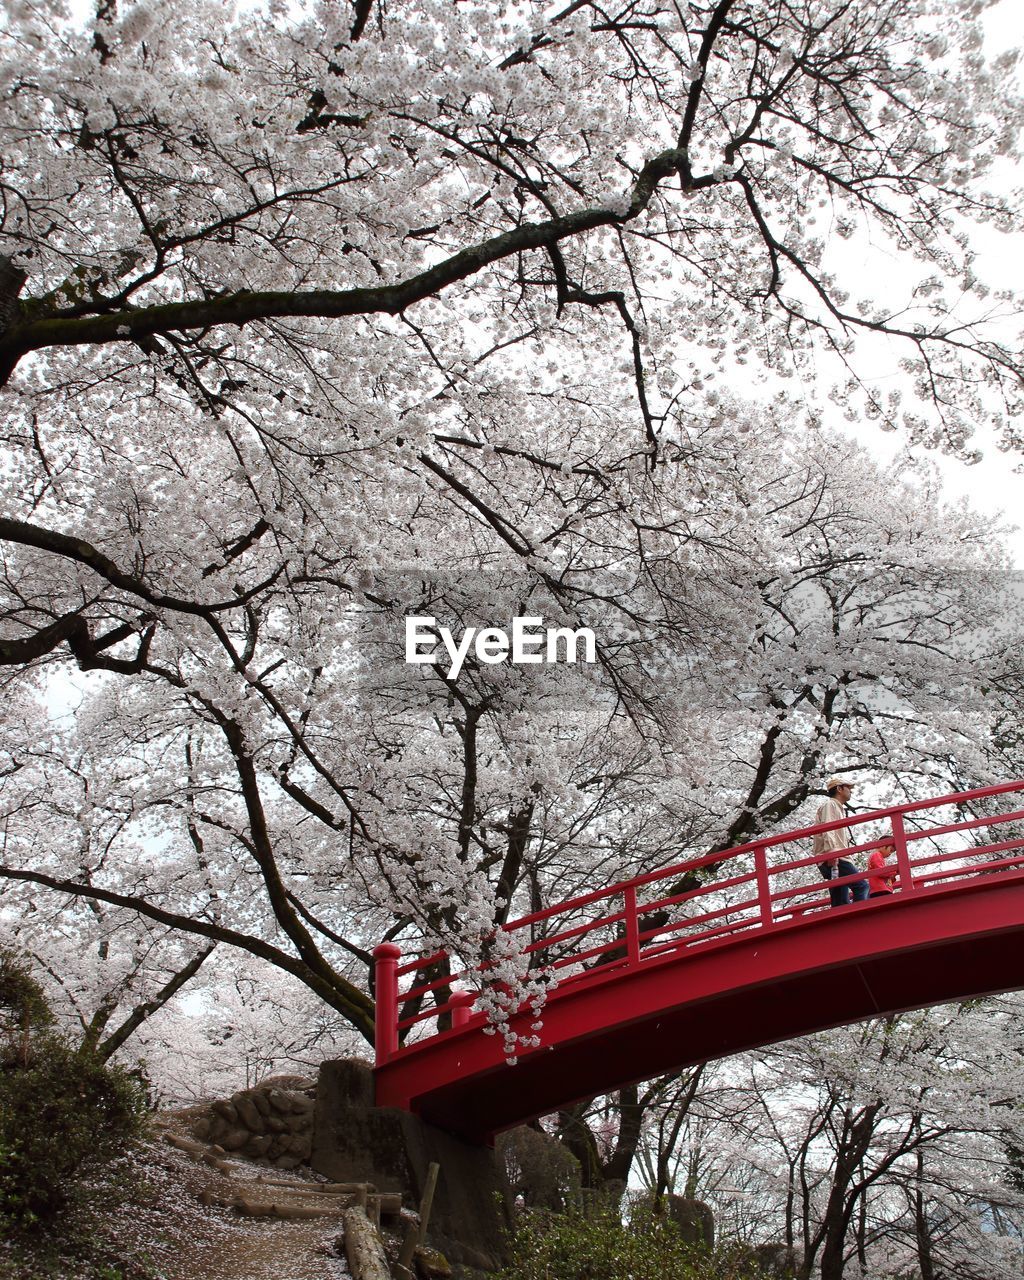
<point>832,843</point>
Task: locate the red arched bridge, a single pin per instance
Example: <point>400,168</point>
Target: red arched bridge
<point>663,971</point>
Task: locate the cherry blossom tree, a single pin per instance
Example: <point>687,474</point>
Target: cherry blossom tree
<point>182,795</point>
<point>313,323</point>
<point>190,205</point>
<point>878,1147</point>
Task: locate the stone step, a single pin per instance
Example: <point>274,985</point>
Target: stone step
<point>267,1196</point>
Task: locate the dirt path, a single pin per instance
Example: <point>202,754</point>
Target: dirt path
<point>184,1239</point>
<point>255,1249</point>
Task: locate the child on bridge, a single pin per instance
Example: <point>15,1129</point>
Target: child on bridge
<point>881,885</point>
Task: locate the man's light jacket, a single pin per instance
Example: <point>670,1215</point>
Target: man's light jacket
<point>836,841</point>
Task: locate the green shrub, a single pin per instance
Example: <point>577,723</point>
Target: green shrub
<point>65,1115</point>
<point>24,1011</point>
<point>600,1246</point>
<point>539,1168</point>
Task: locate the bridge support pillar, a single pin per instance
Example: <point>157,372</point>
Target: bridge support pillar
<point>356,1141</point>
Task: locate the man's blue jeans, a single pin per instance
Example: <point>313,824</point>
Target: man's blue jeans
<point>844,893</point>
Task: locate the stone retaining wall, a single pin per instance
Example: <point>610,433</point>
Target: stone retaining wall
<point>268,1123</point>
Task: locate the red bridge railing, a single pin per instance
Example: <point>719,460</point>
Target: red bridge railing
<point>635,921</point>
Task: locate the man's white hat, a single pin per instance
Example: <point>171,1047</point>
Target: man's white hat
<point>838,782</point>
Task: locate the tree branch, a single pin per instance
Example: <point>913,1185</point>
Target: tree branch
<point>131,325</point>
<point>339,993</point>
<point>142,1012</point>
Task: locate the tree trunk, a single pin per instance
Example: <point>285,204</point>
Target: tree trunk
<point>857,1134</point>
<point>574,1134</point>
<point>833,1247</point>
<point>631,1115</point>
<point>921,1230</point>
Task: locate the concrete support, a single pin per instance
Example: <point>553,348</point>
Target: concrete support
<point>354,1140</point>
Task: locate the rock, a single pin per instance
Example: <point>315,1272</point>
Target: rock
<point>235,1139</point>
<point>539,1168</point>
<point>248,1113</point>
<point>694,1218</point>
<point>287,1162</point>
<point>777,1260</point>
<point>225,1110</point>
<point>285,1081</point>
<point>302,1146</point>
<point>201,1128</point>
<point>287,1102</point>
<point>276,1125</point>
<point>430,1264</point>
<point>259,1145</point>
<point>261,1102</point>
<point>355,1140</point>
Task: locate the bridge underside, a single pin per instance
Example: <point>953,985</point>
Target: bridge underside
<point>841,966</point>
